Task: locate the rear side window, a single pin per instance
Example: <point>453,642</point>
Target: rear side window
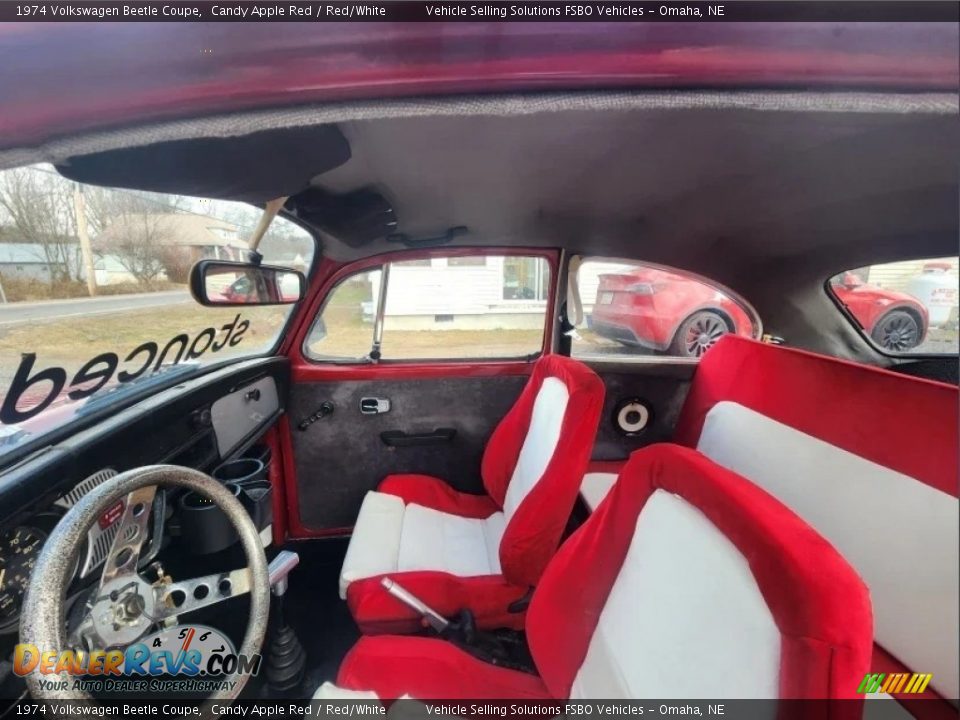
<point>903,307</point>
<point>440,308</point>
<point>631,309</point>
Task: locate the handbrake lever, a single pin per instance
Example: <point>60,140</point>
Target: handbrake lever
<point>434,619</point>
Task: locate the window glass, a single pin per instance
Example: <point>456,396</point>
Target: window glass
<point>525,278</point>
<point>344,330</point>
<point>631,309</point>
<point>904,307</point>
<point>470,261</point>
<point>93,294</point>
<point>439,310</point>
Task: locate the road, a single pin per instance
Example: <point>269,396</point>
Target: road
<point>27,312</point>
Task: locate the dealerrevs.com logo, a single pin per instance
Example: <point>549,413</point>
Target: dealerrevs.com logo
<point>184,658</point>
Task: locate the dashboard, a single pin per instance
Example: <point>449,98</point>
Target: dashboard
<point>200,422</point>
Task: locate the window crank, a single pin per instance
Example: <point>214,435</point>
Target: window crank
<point>326,408</point>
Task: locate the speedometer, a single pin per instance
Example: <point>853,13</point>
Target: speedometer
<point>19,549</point>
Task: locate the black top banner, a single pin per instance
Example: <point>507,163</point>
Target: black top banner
<point>480,11</point>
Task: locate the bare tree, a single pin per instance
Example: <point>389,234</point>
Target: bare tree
<point>39,204</point>
<point>136,241</point>
<point>135,228</point>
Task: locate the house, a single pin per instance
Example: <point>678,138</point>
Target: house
<point>28,261</point>
<point>198,237</point>
<point>466,293</point>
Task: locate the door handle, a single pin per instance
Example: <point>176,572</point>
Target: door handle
<point>374,406</point>
<point>399,438</point>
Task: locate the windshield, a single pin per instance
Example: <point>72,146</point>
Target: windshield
<point>94,303</point>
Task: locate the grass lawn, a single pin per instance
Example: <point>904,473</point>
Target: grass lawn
<point>70,342</point>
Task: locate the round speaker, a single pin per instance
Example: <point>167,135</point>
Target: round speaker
<point>632,416</point>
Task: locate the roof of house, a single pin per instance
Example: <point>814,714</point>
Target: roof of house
<point>178,229</point>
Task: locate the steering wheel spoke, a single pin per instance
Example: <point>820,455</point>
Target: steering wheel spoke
<point>183,597</point>
<point>131,534</point>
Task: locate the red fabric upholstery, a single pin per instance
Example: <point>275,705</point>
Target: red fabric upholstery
<point>434,493</point>
<point>430,669</point>
<point>533,532</point>
<point>819,604</point>
<point>792,387</point>
<point>488,596</point>
<point>576,436</point>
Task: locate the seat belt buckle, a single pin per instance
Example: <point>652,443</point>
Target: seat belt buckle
<point>434,619</point>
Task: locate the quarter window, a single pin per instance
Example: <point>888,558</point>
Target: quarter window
<point>903,307</point>
<point>445,309</point>
<point>631,309</point>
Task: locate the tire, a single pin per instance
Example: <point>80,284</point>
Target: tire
<point>698,333</point>
<point>897,331</point>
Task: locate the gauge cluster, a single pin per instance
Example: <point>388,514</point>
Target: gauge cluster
<point>21,543</point>
<point>20,546</point>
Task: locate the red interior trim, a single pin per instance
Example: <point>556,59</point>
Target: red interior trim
<point>330,273</point>
<point>276,474</point>
<point>315,372</point>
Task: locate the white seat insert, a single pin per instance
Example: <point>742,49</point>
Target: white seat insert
<point>901,535</point>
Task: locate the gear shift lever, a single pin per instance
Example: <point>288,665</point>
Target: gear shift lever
<point>279,568</point>
<point>285,658</point>
<point>437,621</point>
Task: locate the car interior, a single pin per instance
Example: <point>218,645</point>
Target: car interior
<point>560,516</point>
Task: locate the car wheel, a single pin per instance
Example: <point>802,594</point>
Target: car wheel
<point>698,333</point>
<point>898,331</point>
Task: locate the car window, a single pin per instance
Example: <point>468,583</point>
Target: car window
<point>94,300</point>
<point>903,307</point>
<point>463,307</point>
<point>634,310</point>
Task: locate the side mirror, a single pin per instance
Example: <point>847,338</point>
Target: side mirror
<point>219,282</point>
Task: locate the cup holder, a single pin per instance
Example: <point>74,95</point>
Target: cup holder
<point>257,498</point>
<point>241,471</point>
<point>204,527</point>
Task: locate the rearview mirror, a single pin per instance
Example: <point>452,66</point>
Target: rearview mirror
<point>218,282</point>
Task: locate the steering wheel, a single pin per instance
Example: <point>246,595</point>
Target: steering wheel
<point>126,605</point>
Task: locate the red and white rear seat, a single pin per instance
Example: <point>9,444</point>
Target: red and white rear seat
<point>869,458</point>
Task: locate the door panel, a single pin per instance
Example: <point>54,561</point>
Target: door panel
<point>661,387</point>
<point>341,456</point>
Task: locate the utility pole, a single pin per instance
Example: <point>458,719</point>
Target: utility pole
<point>80,207</point>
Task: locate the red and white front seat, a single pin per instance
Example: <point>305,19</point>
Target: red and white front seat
<point>482,552</point>
<point>688,581</point>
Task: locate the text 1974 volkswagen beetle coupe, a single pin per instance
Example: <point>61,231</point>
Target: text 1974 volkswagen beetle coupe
<point>403,462</point>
